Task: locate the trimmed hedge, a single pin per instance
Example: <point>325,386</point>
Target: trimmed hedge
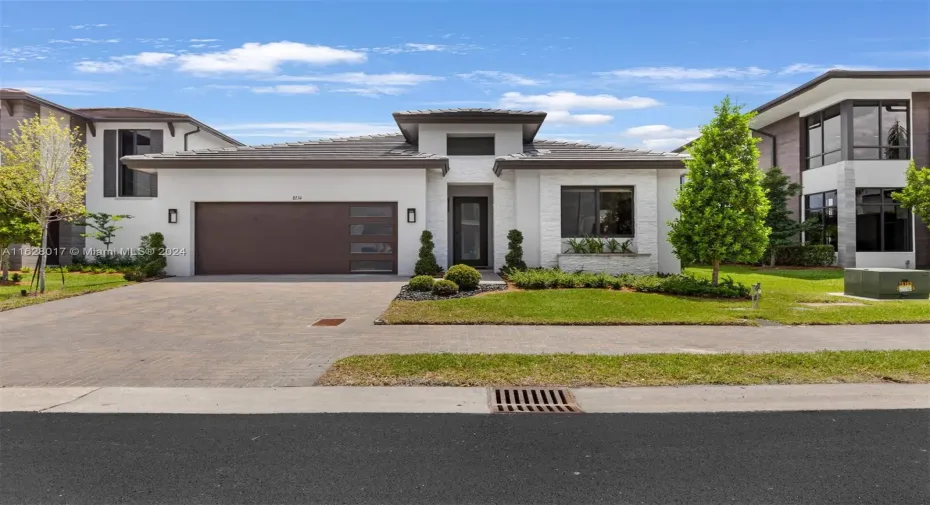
<point>445,288</point>
<point>805,255</point>
<point>464,276</point>
<point>685,285</point>
<point>421,283</point>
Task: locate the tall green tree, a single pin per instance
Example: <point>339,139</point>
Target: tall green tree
<point>722,205</point>
<point>779,189</point>
<point>15,228</point>
<point>103,224</point>
<point>916,194</point>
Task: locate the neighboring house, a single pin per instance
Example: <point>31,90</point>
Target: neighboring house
<point>111,133</point>
<point>847,137</point>
<point>360,204</point>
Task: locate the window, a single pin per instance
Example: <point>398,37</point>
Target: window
<point>133,182</point>
<point>824,141</point>
<point>469,146</point>
<point>371,229</point>
<point>597,211</point>
<point>880,130</point>
<point>370,211</point>
<point>371,248</point>
<point>820,211</point>
<point>882,224</point>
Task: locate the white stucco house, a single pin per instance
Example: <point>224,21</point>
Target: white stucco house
<point>359,205</point>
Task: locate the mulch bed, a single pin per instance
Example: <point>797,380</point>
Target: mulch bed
<point>419,296</point>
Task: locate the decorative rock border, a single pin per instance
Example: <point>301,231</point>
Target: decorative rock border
<point>419,296</point>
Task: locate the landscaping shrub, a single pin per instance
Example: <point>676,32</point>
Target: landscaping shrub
<point>805,255</point>
<point>445,287</point>
<point>426,264</point>
<point>74,267</point>
<point>16,277</point>
<point>684,285</point>
<point>421,283</point>
<point>78,259</point>
<point>466,277</point>
<point>152,260</point>
<point>134,275</point>
<point>25,270</point>
<point>514,259</point>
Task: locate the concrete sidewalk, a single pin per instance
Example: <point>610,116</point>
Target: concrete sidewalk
<point>458,400</point>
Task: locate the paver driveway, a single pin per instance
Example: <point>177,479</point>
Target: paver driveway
<point>254,331</point>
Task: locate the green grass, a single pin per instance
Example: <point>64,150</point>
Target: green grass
<point>576,370</point>
<point>75,284</point>
<point>784,291</point>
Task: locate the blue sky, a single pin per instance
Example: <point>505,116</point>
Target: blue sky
<point>634,74</point>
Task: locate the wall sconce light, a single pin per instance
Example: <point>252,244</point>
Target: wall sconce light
<point>173,216</point>
<point>411,215</point>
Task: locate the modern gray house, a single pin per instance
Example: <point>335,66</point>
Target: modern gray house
<point>848,137</point>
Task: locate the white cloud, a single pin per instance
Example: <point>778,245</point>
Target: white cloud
<point>807,68</point>
<point>120,63</point>
<point>682,73</point>
<point>203,40</point>
<point>287,89</point>
<point>198,45</point>
<point>307,130</point>
<point>498,77</point>
<point>62,87</point>
<point>562,117</point>
<point>96,41</point>
<point>425,47</point>
<point>98,67</point>
<point>660,137</point>
<point>256,57</point>
<point>364,84</point>
<point>82,27</point>
<point>147,59</point>
<point>567,100</point>
<point>414,47</point>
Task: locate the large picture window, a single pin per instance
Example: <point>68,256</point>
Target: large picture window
<point>882,224</point>
<point>820,213</point>
<point>133,182</point>
<point>824,141</point>
<point>606,211</point>
<point>880,130</point>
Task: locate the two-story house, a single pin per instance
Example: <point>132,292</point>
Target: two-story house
<point>847,137</point>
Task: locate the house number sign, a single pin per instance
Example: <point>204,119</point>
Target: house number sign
<point>297,197</point>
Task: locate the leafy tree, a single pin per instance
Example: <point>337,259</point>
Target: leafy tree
<point>778,189</point>
<point>15,228</point>
<point>104,226</point>
<point>722,205</point>
<point>916,194</point>
<point>426,264</point>
<point>43,174</point>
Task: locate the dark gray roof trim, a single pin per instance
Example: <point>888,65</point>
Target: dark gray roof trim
<point>18,94</point>
<point>135,114</point>
<point>407,121</point>
<point>375,151</point>
<point>571,155</point>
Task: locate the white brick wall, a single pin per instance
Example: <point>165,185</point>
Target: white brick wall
<point>614,264</point>
<point>505,218</point>
<point>437,215</point>
<point>645,210</point>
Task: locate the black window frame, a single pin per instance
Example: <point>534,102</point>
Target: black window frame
<point>881,229</point>
<point>469,150</point>
<point>882,148</point>
<point>822,116</point>
<point>822,210</point>
<point>597,207</point>
<point>122,168</point>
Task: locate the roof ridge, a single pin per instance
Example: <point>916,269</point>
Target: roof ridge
<point>323,140</point>
<point>467,109</point>
<point>140,109</point>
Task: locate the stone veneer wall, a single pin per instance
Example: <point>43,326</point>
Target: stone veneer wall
<point>613,264</point>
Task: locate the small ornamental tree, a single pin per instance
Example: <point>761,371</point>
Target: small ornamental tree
<point>514,258</point>
<point>15,228</point>
<point>426,264</point>
<point>43,174</point>
<point>778,189</point>
<point>722,206</point>
<point>916,194</point>
<point>103,224</point>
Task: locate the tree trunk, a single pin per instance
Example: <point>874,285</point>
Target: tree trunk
<point>5,264</point>
<point>40,265</point>
<point>716,275</point>
<point>772,264</point>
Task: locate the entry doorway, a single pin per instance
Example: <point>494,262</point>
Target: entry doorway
<point>470,231</point>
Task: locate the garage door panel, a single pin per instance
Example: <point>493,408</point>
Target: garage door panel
<point>293,238</point>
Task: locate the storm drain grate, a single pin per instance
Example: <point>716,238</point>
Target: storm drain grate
<point>532,400</point>
<point>328,322</point>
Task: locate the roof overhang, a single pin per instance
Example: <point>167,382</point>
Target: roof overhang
<point>147,164</point>
<point>409,123</point>
<point>565,164</point>
<point>171,120</point>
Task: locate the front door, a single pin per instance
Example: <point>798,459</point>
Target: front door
<point>470,231</point>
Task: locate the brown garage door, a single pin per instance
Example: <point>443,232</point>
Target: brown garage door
<point>295,238</point>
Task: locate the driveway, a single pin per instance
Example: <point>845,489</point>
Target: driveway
<point>249,331</point>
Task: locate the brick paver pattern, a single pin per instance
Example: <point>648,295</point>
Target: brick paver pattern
<point>255,332</point>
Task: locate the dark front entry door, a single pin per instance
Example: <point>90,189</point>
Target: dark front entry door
<point>53,243</point>
<point>470,231</point>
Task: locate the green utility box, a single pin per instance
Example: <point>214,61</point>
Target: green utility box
<point>887,283</point>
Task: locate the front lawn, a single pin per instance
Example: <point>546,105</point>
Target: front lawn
<point>577,370</point>
<point>75,284</point>
<point>785,295</point>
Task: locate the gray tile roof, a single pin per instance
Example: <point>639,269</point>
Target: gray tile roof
<point>469,112</point>
<point>548,153</point>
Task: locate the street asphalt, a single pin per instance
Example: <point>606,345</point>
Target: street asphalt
<point>842,457</point>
